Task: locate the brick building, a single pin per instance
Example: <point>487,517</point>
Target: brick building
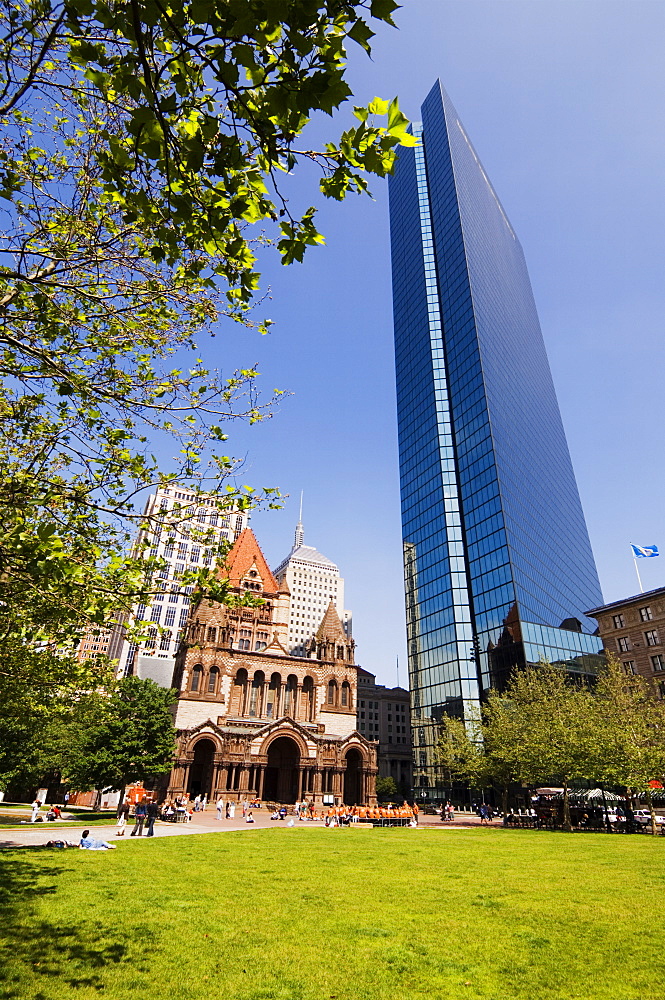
<point>383,715</point>
<point>255,721</point>
<point>634,630</point>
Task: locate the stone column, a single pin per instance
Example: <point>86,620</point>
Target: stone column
<point>300,779</point>
<point>262,774</point>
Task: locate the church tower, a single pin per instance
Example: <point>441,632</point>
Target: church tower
<point>255,721</point>
<point>313,581</point>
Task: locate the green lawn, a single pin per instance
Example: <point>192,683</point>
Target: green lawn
<point>8,822</point>
<point>337,915</point>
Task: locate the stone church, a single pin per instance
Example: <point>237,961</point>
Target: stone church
<point>256,722</point>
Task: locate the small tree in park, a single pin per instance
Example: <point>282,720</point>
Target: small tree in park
<point>629,733</point>
<point>541,728</point>
<point>121,737</point>
<point>386,788</point>
<point>537,730</point>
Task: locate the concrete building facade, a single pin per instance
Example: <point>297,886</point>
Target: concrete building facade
<point>633,629</point>
<point>383,714</point>
<point>313,581</point>
<point>176,522</point>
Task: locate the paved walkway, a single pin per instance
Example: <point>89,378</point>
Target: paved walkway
<point>33,834</point>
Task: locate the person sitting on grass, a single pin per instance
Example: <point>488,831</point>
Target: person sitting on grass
<point>88,843</point>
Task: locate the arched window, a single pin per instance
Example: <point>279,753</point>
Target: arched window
<point>243,643</point>
<point>238,693</point>
<point>197,673</point>
<point>308,699</point>
<point>332,692</point>
<point>256,696</point>
<point>290,692</point>
<point>212,634</point>
<point>346,695</point>
<point>340,652</point>
<point>272,701</point>
<point>213,677</point>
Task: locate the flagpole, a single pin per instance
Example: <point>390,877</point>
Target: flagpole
<point>638,575</point>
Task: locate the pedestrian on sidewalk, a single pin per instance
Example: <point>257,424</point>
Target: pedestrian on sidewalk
<point>35,807</point>
<point>123,813</point>
<point>220,807</point>
<point>152,812</point>
<point>139,818</point>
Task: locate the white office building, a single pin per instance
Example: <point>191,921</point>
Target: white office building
<point>175,522</point>
<point>313,582</point>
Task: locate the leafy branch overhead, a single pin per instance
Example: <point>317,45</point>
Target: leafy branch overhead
<point>145,159</point>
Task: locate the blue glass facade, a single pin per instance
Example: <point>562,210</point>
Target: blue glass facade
<point>496,550</point>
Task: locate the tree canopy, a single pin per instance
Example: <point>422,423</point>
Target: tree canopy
<point>126,735</point>
<point>545,727</point>
<point>143,156</point>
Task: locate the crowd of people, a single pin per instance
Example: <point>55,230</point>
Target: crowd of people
<point>384,815</point>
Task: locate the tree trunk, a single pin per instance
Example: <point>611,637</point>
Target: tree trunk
<point>504,799</point>
<point>607,818</point>
<point>567,825</point>
<point>654,828</point>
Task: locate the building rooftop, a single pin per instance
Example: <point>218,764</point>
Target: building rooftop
<point>638,598</point>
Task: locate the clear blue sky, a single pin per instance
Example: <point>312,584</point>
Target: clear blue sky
<point>564,102</point>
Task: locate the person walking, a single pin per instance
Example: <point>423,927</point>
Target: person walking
<point>204,802</point>
<point>139,818</point>
<point>35,807</point>
<point>152,812</point>
<point>197,803</point>
<point>123,813</point>
<point>220,807</point>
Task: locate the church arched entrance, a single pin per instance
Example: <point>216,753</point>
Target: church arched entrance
<point>281,782</point>
<point>200,770</point>
<point>353,778</point>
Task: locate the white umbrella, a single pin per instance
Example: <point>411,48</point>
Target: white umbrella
<point>597,793</point>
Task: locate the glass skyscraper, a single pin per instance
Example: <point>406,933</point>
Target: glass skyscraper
<point>498,565</point>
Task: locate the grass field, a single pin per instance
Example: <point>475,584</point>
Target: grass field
<point>338,915</point>
<point>9,822</point>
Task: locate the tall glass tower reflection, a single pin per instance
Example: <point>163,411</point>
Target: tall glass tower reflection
<point>498,565</point>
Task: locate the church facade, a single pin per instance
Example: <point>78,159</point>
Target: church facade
<point>254,721</point>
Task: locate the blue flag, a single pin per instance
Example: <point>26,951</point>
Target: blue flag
<point>645,551</point>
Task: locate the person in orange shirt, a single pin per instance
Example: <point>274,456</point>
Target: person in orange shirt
<point>415,812</point>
